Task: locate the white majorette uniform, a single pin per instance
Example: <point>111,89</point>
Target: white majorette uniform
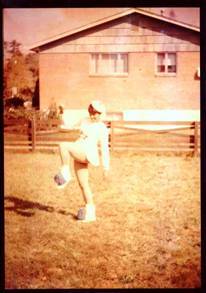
<point>94,139</point>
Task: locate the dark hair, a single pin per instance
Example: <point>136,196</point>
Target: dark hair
<point>92,110</point>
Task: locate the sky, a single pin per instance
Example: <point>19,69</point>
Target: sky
<point>31,25</point>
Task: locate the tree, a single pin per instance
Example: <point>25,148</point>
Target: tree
<point>17,75</point>
<point>14,48</point>
<point>20,71</point>
<point>32,62</point>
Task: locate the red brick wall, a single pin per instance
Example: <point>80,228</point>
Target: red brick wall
<point>64,78</point>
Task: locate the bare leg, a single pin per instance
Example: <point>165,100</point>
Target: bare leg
<point>76,151</point>
<point>64,152</point>
<point>68,149</point>
<point>82,173</point>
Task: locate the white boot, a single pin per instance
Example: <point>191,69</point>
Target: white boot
<point>90,212</point>
<point>87,214</point>
<point>63,177</point>
<point>65,171</point>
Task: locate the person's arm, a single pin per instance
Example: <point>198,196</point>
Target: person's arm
<point>104,147</point>
<point>76,126</point>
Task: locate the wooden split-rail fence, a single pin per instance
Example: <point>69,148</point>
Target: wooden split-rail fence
<point>157,136</point>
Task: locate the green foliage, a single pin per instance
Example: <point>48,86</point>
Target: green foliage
<point>52,111</point>
<point>28,114</point>
<point>31,61</point>
<point>20,71</point>
<point>19,113</point>
<point>14,48</point>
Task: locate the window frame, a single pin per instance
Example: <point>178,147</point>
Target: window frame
<point>166,72</point>
<point>99,56</point>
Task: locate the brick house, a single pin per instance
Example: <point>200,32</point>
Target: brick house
<point>131,60</point>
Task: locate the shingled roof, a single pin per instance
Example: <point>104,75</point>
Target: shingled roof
<point>104,20</point>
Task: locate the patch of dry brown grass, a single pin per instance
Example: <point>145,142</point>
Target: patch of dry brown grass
<point>147,234</point>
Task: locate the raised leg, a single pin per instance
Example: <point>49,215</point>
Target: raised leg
<point>68,150</point>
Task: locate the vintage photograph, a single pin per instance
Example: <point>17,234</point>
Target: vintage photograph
<point>102,147</point>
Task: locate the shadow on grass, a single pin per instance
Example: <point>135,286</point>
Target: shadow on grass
<point>27,208</point>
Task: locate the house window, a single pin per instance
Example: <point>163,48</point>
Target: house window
<point>166,64</point>
<point>109,64</point>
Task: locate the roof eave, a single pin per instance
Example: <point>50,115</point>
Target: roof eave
<point>160,17</point>
<point>36,48</point>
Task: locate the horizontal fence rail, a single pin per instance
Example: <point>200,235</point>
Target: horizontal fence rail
<point>154,136</point>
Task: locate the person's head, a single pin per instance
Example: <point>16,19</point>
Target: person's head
<point>96,109</point>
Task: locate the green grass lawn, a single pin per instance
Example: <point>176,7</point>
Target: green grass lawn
<point>147,233</point>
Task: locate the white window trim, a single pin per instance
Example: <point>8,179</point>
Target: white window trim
<point>164,73</point>
<point>109,74</point>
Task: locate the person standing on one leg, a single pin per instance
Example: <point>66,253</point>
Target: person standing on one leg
<point>91,147</point>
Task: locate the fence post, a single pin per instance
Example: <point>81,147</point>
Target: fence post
<point>196,138</point>
<point>112,136</point>
<point>33,132</point>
